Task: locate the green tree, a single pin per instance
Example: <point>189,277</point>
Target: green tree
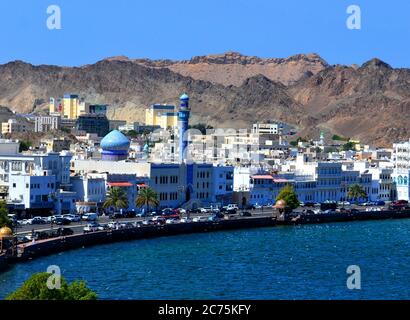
<point>339,138</point>
<point>4,219</point>
<point>348,146</point>
<point>24,145</point>
<point>356,192</point>
<point>116,198</point>
<point>35,288</point>
<point>131,133</point>
<point>289,195</point>
<point>294,143</point>
<point>147,197</point>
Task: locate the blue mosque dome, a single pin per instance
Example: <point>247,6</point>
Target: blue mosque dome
<point>115,146</point>
<point>184,97</point>
<point>115,140</point>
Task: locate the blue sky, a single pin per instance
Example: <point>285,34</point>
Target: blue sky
<point>179,29</point>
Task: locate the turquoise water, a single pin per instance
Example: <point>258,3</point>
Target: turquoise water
<point>303,262</point>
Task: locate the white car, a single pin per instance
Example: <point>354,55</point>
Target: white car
<point>72,217</point>
<point>232,206</point>
<point>185,220</point>
<point>199,219</point>
<point>92,227</point>
<point>203,210</point>
<point>113,225</point>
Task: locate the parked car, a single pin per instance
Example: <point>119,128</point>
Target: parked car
<point>64,232</point>
<point>137,224</point>
<point>72,217</point>
<point>309,204</point>
<point>62,221</point>
<point>113,225</point>
<point>400,202</point>
<point>148,222</point>
<point>92,227</point>
<point>160,221</point>
<point>171,221</point>
<point>116,215</point>
<point>37,220</point>
<point>170,215</point>
<point>141,214</point>
<point>90,217</point>
<point>185,220</point>
<point>51,219</point>
<point>232,208</point>
<point>180,211</point>
<point>216,217</point>
<point>308,211</point>
<point>168,211</point>
<point>129,214</point>
<point>380,203</point>
<point>199,219</point>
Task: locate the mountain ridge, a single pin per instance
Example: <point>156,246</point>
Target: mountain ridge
<point>369,102</point>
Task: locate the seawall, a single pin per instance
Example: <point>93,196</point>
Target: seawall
<point>346,217</point>
<point>49,246</point>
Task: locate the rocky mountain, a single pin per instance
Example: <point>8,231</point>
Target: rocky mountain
<point>231,90</point>
<point>232,68</point>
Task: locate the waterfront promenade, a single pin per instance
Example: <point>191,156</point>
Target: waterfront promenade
<point>39,248</point>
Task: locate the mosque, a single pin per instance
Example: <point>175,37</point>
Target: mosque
<point>176,184</point>
<point>115,146</point>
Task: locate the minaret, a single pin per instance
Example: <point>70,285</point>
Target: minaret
<point>183,118</point>
<point>322,138</point>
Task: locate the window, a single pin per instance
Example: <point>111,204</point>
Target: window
<point>27,185</point>
<point>14,185</point>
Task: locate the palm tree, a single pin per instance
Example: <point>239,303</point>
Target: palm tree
<point>356,192</point>
<point>117,198</point>
<point>146,197</point>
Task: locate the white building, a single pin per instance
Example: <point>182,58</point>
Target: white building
<point>47,123</point>
<point>401,173</point>
<point>34,181</point>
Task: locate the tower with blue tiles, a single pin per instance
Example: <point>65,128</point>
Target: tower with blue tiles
<point>183,119</point>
